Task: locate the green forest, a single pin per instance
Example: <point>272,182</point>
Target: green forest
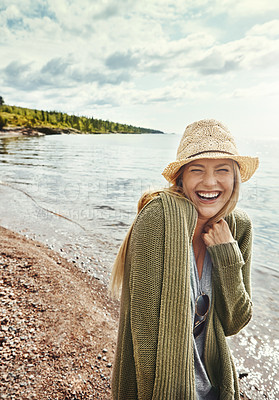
<point>14,116</point>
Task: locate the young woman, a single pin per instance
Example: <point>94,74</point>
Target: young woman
<point>184,269</point>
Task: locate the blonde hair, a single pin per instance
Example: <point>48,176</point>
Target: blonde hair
<point>176,189</point>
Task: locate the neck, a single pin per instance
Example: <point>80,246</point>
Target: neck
<point>199,246</point>
<point>199,229</point>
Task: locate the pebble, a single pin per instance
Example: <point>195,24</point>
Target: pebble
<point>5,320</point>
<point>4,328</point>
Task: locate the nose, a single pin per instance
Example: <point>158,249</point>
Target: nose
<point>209,179</point>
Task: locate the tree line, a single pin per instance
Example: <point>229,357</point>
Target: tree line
<point>31,118</point>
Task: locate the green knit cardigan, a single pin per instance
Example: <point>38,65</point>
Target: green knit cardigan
<point>154,355</point>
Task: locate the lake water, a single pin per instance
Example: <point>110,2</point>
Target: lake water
<point>78,194</point>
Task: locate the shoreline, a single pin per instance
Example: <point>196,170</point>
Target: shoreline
<point>17,131</point>
<point>8,132</point>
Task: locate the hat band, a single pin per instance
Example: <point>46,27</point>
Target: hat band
<point>210,151</point>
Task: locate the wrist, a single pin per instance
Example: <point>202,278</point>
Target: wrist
<point>225,254</point>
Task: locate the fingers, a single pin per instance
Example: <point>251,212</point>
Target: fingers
<point>218,233</point>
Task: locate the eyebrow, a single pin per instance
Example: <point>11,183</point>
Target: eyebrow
<point>217,166</point>
<point>196,165</point>
<point>223,165</point>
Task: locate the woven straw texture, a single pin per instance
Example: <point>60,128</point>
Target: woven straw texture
<point>154,356</point>
<point>209,139</point>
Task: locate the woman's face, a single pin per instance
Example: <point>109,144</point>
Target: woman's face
<point>209,185</point>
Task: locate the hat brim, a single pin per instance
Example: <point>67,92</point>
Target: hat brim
<point>247,165</point>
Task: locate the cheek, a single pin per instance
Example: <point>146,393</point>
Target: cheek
<point>185,189</point>
<point>188,186</point>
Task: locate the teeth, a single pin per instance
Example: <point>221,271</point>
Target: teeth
<point>208,195</point>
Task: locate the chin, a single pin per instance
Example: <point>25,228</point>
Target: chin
<point>207,216</point>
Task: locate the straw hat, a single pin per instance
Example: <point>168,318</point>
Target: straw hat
<point>209,138</point>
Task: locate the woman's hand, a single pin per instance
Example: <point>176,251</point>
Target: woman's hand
<point>217,234</point>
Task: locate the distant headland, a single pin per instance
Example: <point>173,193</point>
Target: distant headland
<point>26,121</point>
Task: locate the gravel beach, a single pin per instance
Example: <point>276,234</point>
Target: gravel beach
<point>58,326</point>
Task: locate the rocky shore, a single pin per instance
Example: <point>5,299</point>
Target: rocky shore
<point>58,327</point>
<point>39,131</point>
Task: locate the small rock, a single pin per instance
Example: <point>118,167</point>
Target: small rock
<point>5,320</point>
<point>105,350</point>
<point>4,328</point>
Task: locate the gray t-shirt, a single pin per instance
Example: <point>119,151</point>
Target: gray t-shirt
<point>204,389</point>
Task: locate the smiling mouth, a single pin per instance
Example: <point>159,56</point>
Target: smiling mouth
<point>208,195</point>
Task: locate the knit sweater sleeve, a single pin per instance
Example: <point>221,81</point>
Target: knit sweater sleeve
<point>146,252</point>
<point>231,278</point>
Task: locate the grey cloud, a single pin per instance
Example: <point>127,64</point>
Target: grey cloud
<point>43,10</point>
<point>214,64</point>
<point>15,69</point>
<point>141,62</point>
<point>106,100</point>
<point>114,8</point>
<point>110,11</point>
<point>19,76</point>
<point>15,23</point>
<point>99,77</point>
<point>57,73</point>
<point>227,67</point>
<point>156,68</point>
<point>55,66</point>
<point>120,60</point>
<point>24,77</point>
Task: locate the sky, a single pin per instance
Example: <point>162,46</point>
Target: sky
<point>158,64</point>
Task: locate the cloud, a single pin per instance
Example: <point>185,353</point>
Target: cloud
<point>55,67</point>
<point>24,76</point>
<point>15,69</point>
<point>215,63</point>
<point>59,73</point>
<point>100,78</point>
<point>120,60</point>
<point>268,29</point>
<point>109,11</point>
<point>11,18</point>
<point>177,92</point>
<point>11,13</point>
<point>258,49</point>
